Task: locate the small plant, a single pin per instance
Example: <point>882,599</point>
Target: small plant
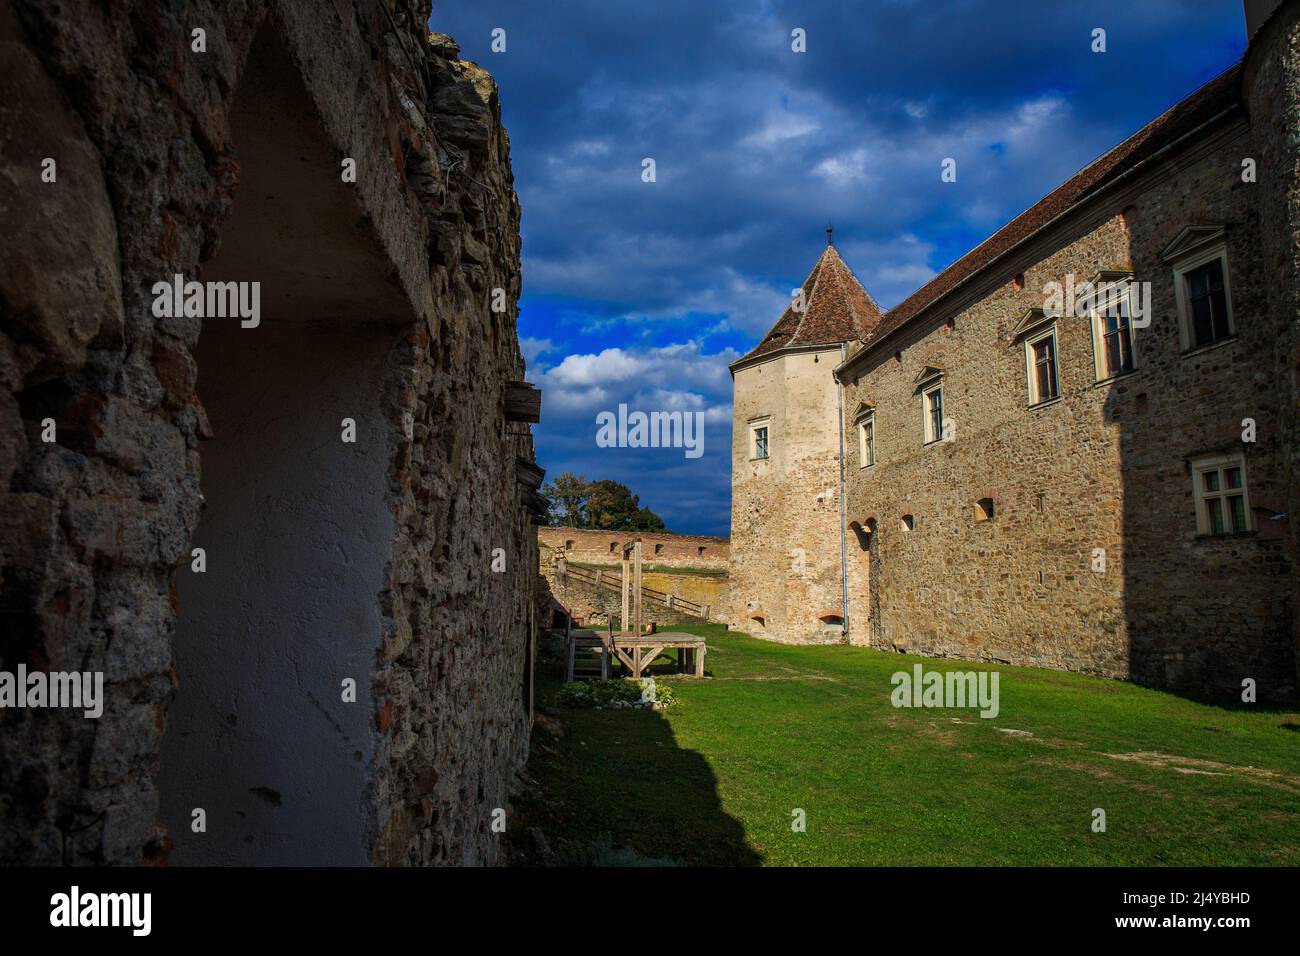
<point>616,694</point>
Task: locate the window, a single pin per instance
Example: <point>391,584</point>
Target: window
<point>867,441</point>
<point>758,439</point>
<point>932,403</point>
<point>1112,325</point>
<point>659,548</point>
<point>1040,359</point>
<point>1207,304</point>
<point>1219,486</point>
<point>568,545</point>
<point>613,546</point>
<point>1201,286</point>
<point>984,510</point>
<point>699,552</point>
<point>908,522</point>
<point>1116,332</point>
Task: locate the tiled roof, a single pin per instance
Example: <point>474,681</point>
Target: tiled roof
<point>836,309</point>
<point>1213,98</point>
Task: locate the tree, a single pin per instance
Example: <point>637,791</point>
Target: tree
<point>611,505</point>
<point>603,505</point>
<point>567,496</point>
<point>647,520</point>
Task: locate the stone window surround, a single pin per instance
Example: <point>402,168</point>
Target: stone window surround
<point>765,423</point>
<point>866,450</point>
<point>1194,247</point>
<point>1112,287</point>
<point>1220,462</point>
<point>928,388</point>
<point>1031,379</point>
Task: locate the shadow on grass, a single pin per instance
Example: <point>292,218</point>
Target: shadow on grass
<point>617,790</point>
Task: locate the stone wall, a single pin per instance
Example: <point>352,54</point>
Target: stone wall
<point>659,550</point>
<point>785,512</point>
<point>1105,467</point>
<point>594,607</point>
<point>171,161</point>
<point>1272,91</point>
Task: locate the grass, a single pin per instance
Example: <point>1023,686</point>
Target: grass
<point>715,778</point>
<point>651,568</point>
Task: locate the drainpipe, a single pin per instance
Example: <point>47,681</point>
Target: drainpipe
<point>844,567</point>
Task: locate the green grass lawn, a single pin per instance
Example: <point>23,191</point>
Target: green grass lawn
<point>714,779</point>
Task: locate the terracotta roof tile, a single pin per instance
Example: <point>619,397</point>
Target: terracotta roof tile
<point>836,309</point>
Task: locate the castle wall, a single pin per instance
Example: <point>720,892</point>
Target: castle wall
<point>97,526</point>
<point>785,516</point>
<point>1106,467</point>
<point>657,549</point>
<point>1272,90</point>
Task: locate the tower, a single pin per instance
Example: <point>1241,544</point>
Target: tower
<point>788,573</point>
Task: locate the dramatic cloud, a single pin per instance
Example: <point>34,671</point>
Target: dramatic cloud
<point>645,291</point>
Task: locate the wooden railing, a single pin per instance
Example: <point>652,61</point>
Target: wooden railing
<point>612,580</point>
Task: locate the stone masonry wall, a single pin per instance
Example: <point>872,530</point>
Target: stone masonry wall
<point>94,527</point>
<point>1105,467</point>
<point>661,550</point>
<point>785,515</point>
<point>1272,91</point>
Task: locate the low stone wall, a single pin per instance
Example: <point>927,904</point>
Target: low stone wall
<point>594,607</point>
<point>661,550</point>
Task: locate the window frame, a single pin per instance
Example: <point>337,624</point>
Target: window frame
<point>866,446</point>
<point>932,388</point>
<point>1046,333</point>
<point>1220,464</point>
<point>755,426</point>
<point>1110,294</point>
<point>1183,266</point>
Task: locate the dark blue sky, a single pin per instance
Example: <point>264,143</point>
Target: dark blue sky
<point>643,292</point>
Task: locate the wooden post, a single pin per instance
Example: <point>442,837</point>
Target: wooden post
<point>624,620</point>
<point>636,582</point>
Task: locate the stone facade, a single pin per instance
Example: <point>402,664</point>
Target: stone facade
<point>658,550</point>
<point>785,508</point>
<point>672,565</point>
<point>325,560</point>
<point>1064,533</point>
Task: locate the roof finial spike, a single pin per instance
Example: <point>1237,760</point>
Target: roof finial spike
<point>829,231</point>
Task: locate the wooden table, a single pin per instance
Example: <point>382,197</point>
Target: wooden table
<point>637,651</point>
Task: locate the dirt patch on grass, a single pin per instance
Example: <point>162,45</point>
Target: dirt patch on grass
<point>1196,765</point>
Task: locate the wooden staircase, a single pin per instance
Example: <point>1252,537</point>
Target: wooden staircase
<point>586,657</point>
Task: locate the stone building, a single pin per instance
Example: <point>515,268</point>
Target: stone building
<point>786,517</point>
<point>1076,447</point>
<point>291,540</point>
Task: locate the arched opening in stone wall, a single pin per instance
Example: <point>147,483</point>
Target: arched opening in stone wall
<point>296,528</point>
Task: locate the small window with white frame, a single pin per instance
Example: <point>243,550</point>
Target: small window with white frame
<point>759,439</point>
<point>1112,325</point>
<point>867,440</point>
<point>1201,286</point>
<point>1219,488</point>
<point>1041,367</point>
<point>932,407</point>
